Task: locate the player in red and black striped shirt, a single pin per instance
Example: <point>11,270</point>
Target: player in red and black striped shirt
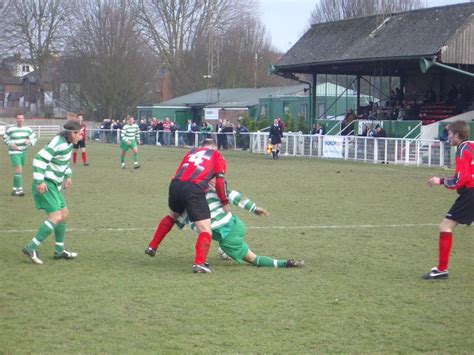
<point>462,211</point>
<point>187,191</point>
<point>81,144</point>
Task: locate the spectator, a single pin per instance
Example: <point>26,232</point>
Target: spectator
<point>243,137</point>
<point>452,95</point>
<point>400,96</point>
<point>167,131</point>
<point>459,105</point>
<point>229,131</point>
<point>116,127</point>
<point>430,95</point>
<point>205,131</point>
<point>380,132</point>
<point>317,129</point>
<point>143,131</point>
<point>190,134</point>
<point>368,110</point>
<point>221,138</point>
<point>107,129</point>
<point>444,134</point>
<point>401,112</point>
<point>159,130</point>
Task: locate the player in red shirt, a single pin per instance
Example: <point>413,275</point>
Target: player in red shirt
<point>462,211</point>
<point>81,144</point>
<point>187,191</point>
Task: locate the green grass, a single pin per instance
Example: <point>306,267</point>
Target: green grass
<point>359,292</point>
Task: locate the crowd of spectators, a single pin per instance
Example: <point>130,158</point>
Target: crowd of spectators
<point>163,132</point>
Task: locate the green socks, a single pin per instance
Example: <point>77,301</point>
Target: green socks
<point>17,182</point>
<point>122,159</point>
<point>268,262</point>
<point>135,157</point>
<point>44,230</point>
<point>59,231</point>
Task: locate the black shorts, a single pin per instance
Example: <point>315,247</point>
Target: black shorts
<point>80,144</point>
<point>184,195</point>
<point>463,209</point>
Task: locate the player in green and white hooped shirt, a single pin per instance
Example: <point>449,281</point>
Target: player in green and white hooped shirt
<point>51,172</point>
<point>18,139</point>
<point>129,139</point>
<point>229,230</point>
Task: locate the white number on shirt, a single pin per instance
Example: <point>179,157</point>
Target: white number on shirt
<point>197,157</point>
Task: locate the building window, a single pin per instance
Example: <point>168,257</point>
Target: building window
<point>263,111</point>
<point>303,110</point>
<point>25,68</point>
<point>286,108</point>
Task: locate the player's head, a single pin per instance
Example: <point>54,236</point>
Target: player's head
<point>458,131</point>
<point>72,131</point>
<point>130,120</point>
<point>20,119</point>
<point>209,143</point>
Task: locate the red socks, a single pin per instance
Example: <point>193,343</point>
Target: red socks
<point>162,230</point>
<point>203,243</point>
<point>445,242</point>
<point>74,157</point>
<point>83,156</point>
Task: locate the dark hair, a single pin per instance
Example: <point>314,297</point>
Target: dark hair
<point>461,128</point>
<point>70,126</point>
<point>208,142</point>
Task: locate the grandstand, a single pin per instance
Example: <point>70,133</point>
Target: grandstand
<point>418,49</point>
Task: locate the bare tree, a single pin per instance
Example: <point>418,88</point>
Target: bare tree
<point>245,54</point>
<point>111,68</point>
<point>335,10</point>
<point>179,30</point>
<point>37,28</point>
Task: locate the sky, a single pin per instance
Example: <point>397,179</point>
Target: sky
<point>287,20</point>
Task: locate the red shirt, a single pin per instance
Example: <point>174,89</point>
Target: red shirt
<point>200,165</point>
<point>464,173</point>
<point>83,132</point>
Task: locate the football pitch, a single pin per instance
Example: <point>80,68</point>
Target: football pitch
<point>366,232</point>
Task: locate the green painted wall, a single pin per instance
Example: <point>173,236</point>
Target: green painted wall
<point>471,130</point>
<point>394,129</point>
<point>178,115</point>
<point>296,105</point>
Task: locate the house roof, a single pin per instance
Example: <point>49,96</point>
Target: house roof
<point>404,35</point>
<point>241,97</point>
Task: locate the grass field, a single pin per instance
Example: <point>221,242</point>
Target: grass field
<point>366,232</point>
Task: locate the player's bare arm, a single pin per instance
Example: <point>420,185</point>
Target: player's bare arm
<point>434,181</point>
<point>259,211</point>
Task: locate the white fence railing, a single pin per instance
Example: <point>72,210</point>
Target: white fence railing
<point>367,149</point>
<point>356,148</point>
<point>40,131</point>
<point>46,131</point>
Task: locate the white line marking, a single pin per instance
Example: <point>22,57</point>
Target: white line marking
<point>356,226</point>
